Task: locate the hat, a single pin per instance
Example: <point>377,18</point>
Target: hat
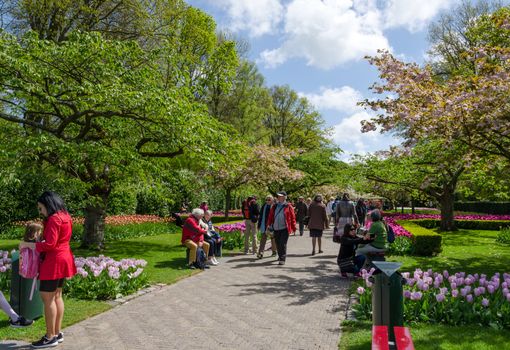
<point>282,193</point>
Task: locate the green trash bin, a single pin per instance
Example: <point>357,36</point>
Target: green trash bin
<point>20,293</point>
<point>387,296</point>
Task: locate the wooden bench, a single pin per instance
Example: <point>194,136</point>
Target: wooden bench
<point>380,339</point>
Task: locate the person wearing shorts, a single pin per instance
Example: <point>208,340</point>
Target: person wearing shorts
<point>57,264</point>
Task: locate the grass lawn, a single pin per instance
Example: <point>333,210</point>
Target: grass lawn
<point>465,250</point>
<point>166,263</point>
<point>358,336</point>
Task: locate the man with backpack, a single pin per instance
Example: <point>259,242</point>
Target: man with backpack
<point>251,212</point>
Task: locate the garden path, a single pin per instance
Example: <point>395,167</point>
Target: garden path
<point>243,303</point>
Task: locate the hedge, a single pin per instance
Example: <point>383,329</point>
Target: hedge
<point>484,207</point>
<point>426,242</point>
<point>493,225</point>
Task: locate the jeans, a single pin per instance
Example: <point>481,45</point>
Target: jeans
<point>281,237</point>
<point>262,245</point>
<point>358,263</point>
<point>301,227</point>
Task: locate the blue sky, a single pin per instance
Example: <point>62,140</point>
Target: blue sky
<point>317,48</point>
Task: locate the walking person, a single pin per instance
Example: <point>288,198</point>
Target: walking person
<point>345,213</point>
<point>318,221</point>
<point>251,212</point>
<point>56,266</point>
<point>301,213</point>
<point>282,221</point>
<point>361,211</point>
<point>329,208</point>
<point>264,228</point>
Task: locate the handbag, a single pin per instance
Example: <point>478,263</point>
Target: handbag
<point>306,220</point>
<point>346,265</point>
<point>336,235</point>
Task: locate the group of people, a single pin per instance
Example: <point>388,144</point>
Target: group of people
<point>198,233</point>
<point>277,218</point>
<point>55,263</point>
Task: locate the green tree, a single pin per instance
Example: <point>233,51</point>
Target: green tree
<point>96,110</point>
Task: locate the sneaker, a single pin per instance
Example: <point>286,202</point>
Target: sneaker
<point>281,262</point>
<point>60,337</point>
<point>215,260</point>
<point>44,342</point>
<point>259,256</point>
<point>207,267</point>
<point>21,322</point>
<point>274,254</point>
<point>192,266</point>
<point>212,262</point>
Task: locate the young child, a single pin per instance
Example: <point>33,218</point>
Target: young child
<point>33,232</point>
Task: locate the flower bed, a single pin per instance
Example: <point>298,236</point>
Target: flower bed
<point>456,299</point>
<point>100,278</point>
<point>233,235</point>
<point>104,278</point>
<point>114,220</point>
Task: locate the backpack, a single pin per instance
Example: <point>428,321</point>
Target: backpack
<point>390,234</point>
<point>333,208</point>
<point>29,266</point>
<point>201,259</point>
<point>246,209</point>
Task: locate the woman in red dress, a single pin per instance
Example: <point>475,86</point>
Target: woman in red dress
<point>56,266</point>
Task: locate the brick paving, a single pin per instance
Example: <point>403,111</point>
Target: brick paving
<point>243,303</point>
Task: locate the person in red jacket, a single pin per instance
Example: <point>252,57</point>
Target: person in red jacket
<point>282,221</point>
<point>57,264</point>
<point>193,236</point>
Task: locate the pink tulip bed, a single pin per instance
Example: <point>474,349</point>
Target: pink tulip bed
<point>99,278</point>
<point>447,298</point>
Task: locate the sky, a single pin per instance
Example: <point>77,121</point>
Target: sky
<point>317,47</point>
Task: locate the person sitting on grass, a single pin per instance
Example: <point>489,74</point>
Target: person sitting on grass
<point>377,233</point>
<point>347,259</point>
<point>193,236</point>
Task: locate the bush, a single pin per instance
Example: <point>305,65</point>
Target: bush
<point>103,278</point>
<point>493,225</point>
<point>484,207</point>
<point>112,232</point>
<point>401,246</point>
<point>425,241</point>
<point>504,236</point>
<point>233,240</point>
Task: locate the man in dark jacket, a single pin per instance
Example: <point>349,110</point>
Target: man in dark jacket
<point>301,213</point>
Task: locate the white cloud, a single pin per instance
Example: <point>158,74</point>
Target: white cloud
<point>328,33</point>
<point>346,120</point>
<point>343,99</point>
<point>256,17</point>
<point>413,15</point>
<point>348,136</point>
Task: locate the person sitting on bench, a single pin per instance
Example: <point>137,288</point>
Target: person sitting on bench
<point>378,233</point>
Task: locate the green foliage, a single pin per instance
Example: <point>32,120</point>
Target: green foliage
<point>233,240</point>
<point>401,246</point>
<point>504,236</point>
<point>425,241</point>
<point>113,233</point>
<point>485,207</point>
<point>465,224</point>
<point>103,287</point>
<point>122,201</point>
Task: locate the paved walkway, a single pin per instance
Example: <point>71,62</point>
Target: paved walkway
<point>243,303</point>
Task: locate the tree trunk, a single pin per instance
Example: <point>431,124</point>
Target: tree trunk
<point>228,199</point>
<point>446,201</point>
<point>93,230</point>
<point>95,214</point>
<point>413,208</point>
